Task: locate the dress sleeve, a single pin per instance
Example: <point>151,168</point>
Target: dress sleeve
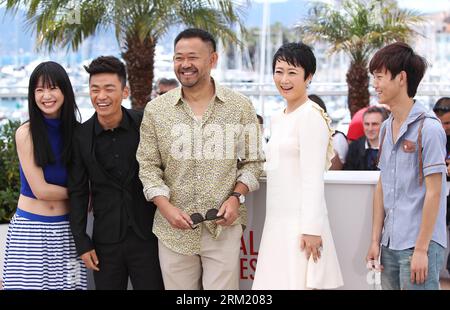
<point>316,152</point>
<point>340,145</point>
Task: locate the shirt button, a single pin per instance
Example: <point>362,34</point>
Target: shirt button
<point>116,156</point>
<point>113,139</point>
<point>393,170</point>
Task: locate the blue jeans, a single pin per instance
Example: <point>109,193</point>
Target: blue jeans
<point>396,274</point>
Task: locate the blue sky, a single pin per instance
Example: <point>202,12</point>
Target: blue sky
<point>290,11</point>
<point>426,6</point>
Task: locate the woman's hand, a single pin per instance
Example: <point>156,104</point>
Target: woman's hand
<point>313,245</point>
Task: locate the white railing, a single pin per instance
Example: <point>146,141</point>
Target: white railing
<point>256,89</point>
<point>265,97</point>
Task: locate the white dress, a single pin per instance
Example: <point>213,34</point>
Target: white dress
<point>298,153</point>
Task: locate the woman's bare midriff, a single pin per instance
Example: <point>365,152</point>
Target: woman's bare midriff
<point>43,207</point>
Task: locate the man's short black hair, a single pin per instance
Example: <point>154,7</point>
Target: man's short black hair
<point>298,55</point>
<point>397,57</point>
<point>107,64</point>
<point>442,106</point>
<point>203,35</point>
<point>260,119</point>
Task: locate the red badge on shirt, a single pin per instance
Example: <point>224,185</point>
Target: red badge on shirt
<point>409,146</point>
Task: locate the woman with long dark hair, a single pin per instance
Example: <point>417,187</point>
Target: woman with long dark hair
<point>40,251</point>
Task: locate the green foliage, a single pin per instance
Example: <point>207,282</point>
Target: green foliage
<point>9,171</point>
<point>138,25</point>
<point>55,21</point>
<point>360,27</point>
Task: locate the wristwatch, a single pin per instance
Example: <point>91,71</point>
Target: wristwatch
<point>239,196</point>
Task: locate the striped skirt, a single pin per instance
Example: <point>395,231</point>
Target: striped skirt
<point>40,254</point>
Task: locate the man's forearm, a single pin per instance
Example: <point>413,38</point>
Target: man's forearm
<point>241,188</point>
<point>161,202</point>
<point>378,213</point>
<point>430,211</point>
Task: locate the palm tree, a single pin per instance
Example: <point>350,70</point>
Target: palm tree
<point>138,24</point>
<point>359,28</point>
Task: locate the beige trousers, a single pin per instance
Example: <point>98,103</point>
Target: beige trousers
<point>215,268</point>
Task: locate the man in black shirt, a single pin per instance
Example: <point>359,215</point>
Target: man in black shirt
<point>104,174</point>
<point>442,110</point>
<point>362,153</point>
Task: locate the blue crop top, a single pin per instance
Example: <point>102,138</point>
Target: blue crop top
<point>55,173</point>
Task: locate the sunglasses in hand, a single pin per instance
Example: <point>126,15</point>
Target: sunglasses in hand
<point>210,215</point>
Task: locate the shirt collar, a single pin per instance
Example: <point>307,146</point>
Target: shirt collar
<point>124,123</point>
<point>368,146</point>
<point>177,95</point>
<point>417,109</point>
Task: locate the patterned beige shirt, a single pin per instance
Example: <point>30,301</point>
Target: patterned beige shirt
<point>196,162</point>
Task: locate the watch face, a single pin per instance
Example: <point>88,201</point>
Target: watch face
<point>242,199</point>
<point>239,196</point>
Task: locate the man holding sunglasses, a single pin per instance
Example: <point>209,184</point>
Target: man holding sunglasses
<point>442,111</point>
<point>197,188</point>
